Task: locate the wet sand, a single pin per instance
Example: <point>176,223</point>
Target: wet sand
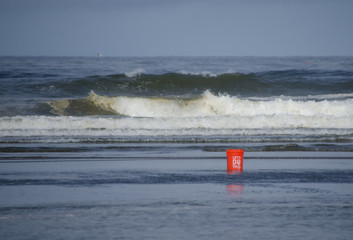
<point>184,194</point>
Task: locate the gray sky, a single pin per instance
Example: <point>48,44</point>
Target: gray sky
<point>176,27</point>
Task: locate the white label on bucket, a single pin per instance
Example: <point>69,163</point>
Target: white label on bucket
<point>236,161</point>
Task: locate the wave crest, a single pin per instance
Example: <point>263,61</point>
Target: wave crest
<point>207,105</point>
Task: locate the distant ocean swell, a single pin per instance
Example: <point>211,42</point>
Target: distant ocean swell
<point>261,84</point>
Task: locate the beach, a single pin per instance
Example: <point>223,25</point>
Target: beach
<point>176,192</point>
<point>135,147</point>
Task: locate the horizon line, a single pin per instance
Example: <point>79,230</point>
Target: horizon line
<point>153,56</point>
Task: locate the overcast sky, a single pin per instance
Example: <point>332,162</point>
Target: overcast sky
<point>176,27</point>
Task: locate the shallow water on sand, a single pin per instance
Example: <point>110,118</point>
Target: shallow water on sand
<point>173,194</point>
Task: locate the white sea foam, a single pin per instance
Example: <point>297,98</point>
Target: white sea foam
<point>328,97</point>
<point>135,72</point>
<point>206,116</point>
<point>219,125</point>
<point>222,105</point>
<point>202,73</point>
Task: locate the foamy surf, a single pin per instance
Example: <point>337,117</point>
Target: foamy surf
<point>207,129</point>
<point>210,105</point>
<point>206,116</point>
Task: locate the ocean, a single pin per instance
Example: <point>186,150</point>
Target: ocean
<point>135,147</point>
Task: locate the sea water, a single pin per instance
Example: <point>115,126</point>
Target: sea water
<point>131,148</point>
<point>158,99</point>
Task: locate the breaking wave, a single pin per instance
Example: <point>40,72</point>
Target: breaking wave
<point>208,115</point>
<point>207,105</point>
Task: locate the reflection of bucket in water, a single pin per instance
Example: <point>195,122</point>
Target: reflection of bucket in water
<point>235,160</point>
<point>233,189</point>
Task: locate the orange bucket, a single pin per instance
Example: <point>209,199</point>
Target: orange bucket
<point>235,160</point>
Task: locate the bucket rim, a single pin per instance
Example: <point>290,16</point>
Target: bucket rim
<point>235,151</point>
